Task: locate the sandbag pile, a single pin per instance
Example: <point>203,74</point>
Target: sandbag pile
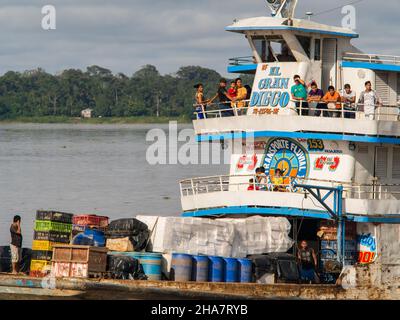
<point>235,238</point>
<point>126,235</point>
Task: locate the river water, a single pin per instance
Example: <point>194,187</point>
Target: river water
<point>85,169</point>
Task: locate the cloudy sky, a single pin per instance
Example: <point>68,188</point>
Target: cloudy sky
<point>124,35</point>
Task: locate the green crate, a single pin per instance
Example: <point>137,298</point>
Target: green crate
<point>46,226</point>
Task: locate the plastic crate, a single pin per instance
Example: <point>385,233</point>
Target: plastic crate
<point>38,274</point>
<point>39,245</point>
<point>45,226</point>
<point>53,236</point>
<point>54,216</point>
<point>90,220</point>
<point>95,258</point>
<point>40,265</point>
<point>42,255</point>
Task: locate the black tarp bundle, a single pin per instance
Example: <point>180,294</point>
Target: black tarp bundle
<point>5,260</point>
<point>283,265</point>
<point>137,232</point>
<point>125,267</point>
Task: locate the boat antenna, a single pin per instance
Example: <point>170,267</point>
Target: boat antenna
<point>282,8</point>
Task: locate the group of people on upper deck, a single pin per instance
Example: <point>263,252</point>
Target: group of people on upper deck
<point>231,100</point>
<point>333,104</point>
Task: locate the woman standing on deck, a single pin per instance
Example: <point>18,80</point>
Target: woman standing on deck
<point>200,102</point>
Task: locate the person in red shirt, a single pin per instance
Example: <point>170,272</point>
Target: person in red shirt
<point>252,186</point>
<point>232,91</point>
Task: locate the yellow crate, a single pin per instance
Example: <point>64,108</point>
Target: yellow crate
<point>42,245</point>
<point>39,265</point>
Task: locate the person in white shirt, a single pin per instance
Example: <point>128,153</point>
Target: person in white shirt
<point>349,99</point>
<point>369,101</point>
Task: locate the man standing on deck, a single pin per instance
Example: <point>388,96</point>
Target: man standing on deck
<point>299,95</point>
<point>16,244</point>
<point>308,263</point>
<point>224,99</point>
<point>369,101</point>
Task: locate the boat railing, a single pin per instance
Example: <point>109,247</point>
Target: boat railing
<point>240,183</point>
<point>371,58</point>
<point>238,61</point>
<point>355,111</point>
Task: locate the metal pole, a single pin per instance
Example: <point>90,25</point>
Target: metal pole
<point>341,232</point>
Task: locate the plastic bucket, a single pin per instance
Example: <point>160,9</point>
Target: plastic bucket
<point>245,270</point>
<point>181,267</point>
<point>200,268</point>
<point>216,269</point>
<point>151,263</point>
<point>231,273</point>
<point>98,237</point>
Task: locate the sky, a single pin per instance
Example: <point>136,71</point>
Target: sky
<point>123,35</point>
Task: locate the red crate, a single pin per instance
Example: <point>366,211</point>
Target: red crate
<point>90,220</point>
<point>38,274</point>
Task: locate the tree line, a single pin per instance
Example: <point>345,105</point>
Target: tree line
<point>37,93</point>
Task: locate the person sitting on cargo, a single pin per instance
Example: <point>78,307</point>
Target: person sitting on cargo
<point>369,101</point>
<point>200,101</point>
<point>252,186</point>
<point>241,95</point>
<point>261,179</point>
<point>299,95</point>
<point>16,244</point>
<point>278,181</point>
<point>315,95</point>
<point>349,99</point>
<point>308,263</point>
<point>333,101</point>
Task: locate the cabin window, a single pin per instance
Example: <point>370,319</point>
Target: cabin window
<point>381,167</point>
<point>306,44</point>
<point>396,163</point>
<point>273,49</point>
<point>317,52</point>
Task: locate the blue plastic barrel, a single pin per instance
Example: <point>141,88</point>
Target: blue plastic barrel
<point>231,273</point>
<point>216,269</point>
<point>200,269</point>
<point>98,237</point>
<point>181,267</point>
<point>151,263</point>
<point>245,270</point>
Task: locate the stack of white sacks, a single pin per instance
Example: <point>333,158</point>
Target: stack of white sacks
<point>235,238</point>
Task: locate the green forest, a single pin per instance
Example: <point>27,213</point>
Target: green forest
<point>146,93</point>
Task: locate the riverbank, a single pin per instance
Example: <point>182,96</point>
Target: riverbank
<point>111,120</point>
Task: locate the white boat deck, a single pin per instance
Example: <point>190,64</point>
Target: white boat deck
<point>230,191</point>
<point>385,122</point>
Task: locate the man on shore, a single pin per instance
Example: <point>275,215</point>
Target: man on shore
<point>16,243</point>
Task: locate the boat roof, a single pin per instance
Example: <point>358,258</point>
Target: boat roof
<point>274,23</point>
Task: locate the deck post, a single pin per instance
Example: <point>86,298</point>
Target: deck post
<point>341,232</point>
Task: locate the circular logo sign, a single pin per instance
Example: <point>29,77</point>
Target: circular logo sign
<point>287,155</point>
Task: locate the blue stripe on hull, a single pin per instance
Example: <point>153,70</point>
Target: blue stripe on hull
<point>296,135</point>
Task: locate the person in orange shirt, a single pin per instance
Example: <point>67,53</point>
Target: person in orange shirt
<point>241,95</point>
<point>333,100</point>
